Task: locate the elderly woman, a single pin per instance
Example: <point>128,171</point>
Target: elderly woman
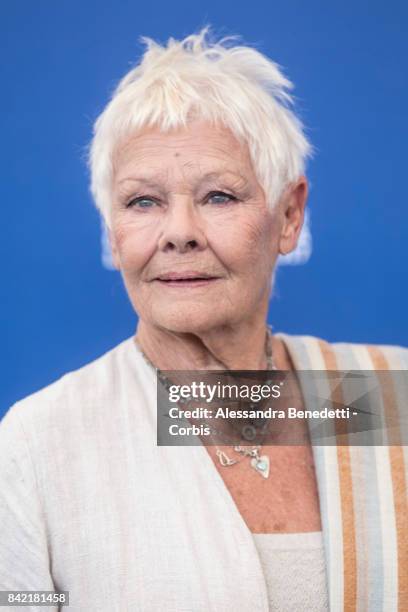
<point>198,170</point>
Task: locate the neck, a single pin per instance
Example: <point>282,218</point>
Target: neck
<point>240,347</point>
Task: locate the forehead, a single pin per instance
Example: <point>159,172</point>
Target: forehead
<point>197,149</point>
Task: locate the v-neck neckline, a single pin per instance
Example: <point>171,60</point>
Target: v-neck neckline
<point>306,354</point>
<point>288,342</point>
<point>204,462</point>
<point>213,469</point>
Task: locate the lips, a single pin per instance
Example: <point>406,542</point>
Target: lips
<point>186,278</point>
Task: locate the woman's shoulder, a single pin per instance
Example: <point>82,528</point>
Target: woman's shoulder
<point>77,394</point>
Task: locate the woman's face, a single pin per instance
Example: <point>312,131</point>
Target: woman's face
<point>191,231</point>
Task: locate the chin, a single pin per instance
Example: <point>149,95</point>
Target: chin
<point>188,320</point>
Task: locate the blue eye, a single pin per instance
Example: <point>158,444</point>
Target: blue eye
<point>141,202</point>
<point>219,197</point>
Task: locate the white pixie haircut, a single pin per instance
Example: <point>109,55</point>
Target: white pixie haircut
<point>197,78</point>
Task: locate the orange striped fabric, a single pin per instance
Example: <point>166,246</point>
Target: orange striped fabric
<point>346,492</point>
<point>362,489</point>
<point>399,479</point>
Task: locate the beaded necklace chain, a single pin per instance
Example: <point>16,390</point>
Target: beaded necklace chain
<point>260,463</point>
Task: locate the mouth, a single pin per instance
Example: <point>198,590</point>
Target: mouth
<point>186,279</point>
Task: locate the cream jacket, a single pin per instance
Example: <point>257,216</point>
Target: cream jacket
<point>90,504</point>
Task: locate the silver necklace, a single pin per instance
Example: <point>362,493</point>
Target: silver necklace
<point>260,463</point>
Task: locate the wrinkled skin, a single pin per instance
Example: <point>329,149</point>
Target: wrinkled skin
<point>188,201</point>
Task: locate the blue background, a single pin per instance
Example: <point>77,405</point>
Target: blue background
<point>59,307</point>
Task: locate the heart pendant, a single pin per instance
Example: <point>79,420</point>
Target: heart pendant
<point>261,465</point>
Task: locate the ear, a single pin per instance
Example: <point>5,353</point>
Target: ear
<point>113,248</point>
<point>293,205</point>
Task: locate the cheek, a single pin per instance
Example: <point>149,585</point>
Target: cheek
<point>134,247</point>
<point>246,243</point>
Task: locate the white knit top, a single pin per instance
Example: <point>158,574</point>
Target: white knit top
<point>295,571</point>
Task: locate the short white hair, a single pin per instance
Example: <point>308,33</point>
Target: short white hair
<point>217,81</point>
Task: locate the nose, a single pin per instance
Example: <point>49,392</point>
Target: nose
<point>182,230</point>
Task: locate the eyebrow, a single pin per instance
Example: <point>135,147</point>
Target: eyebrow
<point>207,177</point>
<point>137,179</point>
